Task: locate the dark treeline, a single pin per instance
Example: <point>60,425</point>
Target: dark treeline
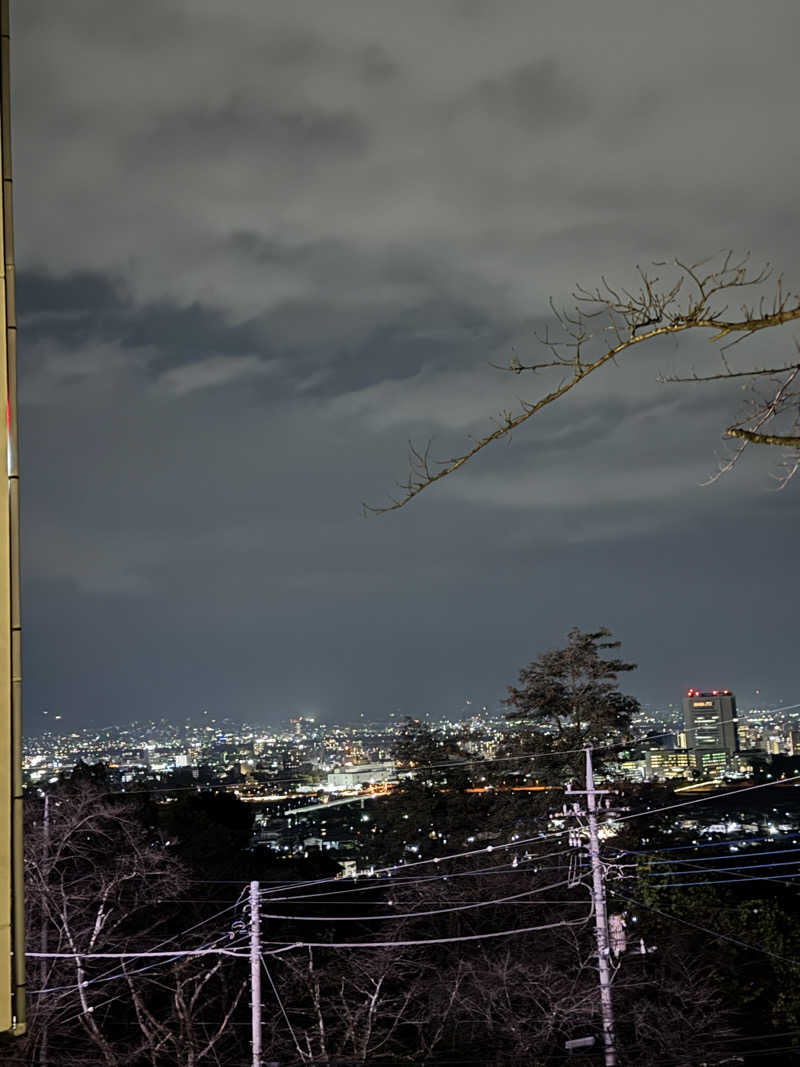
<point>703,972</point>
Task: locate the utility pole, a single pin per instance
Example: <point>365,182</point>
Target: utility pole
<point>43,939</point>
<point>255,972</point>
<point>600,912</point>
<point>600,918</point>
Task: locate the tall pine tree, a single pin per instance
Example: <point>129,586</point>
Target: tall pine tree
<point>569,698</point>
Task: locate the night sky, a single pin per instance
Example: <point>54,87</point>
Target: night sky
<point>262,245</point>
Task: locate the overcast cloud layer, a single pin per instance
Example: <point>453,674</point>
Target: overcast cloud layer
<point>260,246</point>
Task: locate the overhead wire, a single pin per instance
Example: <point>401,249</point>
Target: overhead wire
<point>283,1009</point>
<point>696,864</point>
<point>93,1008</point>
<point>402,882</point>
<point>704,929</point>
<point>286,945</point>
<point>133,955</point>
<point>735,857</point>
<point>706,844</point>
<point>519,842</point>
<point>778,879</point>
<point>731,1055</point>
<point>726,870</point>
<point>540,837</point>
<point>172,955</point>
<point>106,977</point>
<point>385,883</point>
<point>447,858</point>
<point>373,885</point>
<point>704,800</point>
<point>183,933</point>
<point>418,914</point>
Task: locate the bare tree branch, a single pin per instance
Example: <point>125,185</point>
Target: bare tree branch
<point>756,371</point>
<point>763,438</point>
<point>690,301</point>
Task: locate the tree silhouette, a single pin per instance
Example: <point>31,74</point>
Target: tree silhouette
<point>569,698</point>
<point>98,881</point>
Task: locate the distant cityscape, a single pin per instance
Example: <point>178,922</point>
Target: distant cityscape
<point>303,752</point>
<point>310,782</point>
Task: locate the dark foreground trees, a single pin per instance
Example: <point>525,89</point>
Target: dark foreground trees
<point>397,970</point>
<point>443,991</point>
<point>99,881</point>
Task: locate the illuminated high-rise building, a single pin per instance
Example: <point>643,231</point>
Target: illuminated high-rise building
<point>710,723</point>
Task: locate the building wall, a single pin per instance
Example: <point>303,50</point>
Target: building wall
<point>668,764</point>
<point>362,774</point>
<point>710,726</point>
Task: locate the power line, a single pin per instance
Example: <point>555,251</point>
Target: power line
<point>704,800</point>
<point>386,883</point>
<point>73,986</point>
<point>731,1055</point>
<point>283,1009</point>
<point>386,904</point>
<point>758,1037</point>
<point>721,856</point>
<point>197,925</point>
<point>518,843</point>
<point>285,945</point>
<point>705,929</point>
<point>697,864</point>
<point>703,844</point>
<point>134,955</point>
<point>778,879</point>
<point>418,914</point>
<point>725,870</point>
<point>103,978</point>
<point>480,871</point>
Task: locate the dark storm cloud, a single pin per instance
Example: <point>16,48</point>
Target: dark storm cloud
<point>375,65</point>
<point>260,247</point>
<point>300,138</point>
<point>534,96</point>
<point>418,321</point>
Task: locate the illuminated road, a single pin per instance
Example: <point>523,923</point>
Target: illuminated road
<point>335,803</point>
